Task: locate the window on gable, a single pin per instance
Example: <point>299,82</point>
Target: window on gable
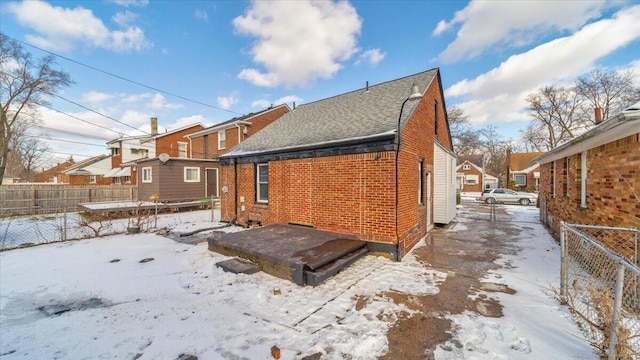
<point>191,174</point>
<point>182,149</point>
<point>222,139</point>
<point>146,175</point>
<point>262,183</point>
<point>466,167</point>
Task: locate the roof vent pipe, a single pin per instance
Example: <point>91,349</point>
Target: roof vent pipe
<point>294,105</point>
<point>367,85</point>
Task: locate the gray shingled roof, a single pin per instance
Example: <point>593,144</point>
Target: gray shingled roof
<point>354,115</point>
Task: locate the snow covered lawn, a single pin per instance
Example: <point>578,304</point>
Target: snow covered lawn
<point>94,298</point>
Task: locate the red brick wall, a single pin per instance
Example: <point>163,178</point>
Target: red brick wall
<point>613,185</point>
<point>169,143</point>
<point>232,138</point>
<point>84,180</point>
<point>472,171</point>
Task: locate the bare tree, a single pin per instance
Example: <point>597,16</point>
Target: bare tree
<point>556,114</point>
<point>609,90</point>
<point>496,146</point>
<point>466,141</point>
<point>24,84</point>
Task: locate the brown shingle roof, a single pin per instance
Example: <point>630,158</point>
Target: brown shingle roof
<point>521,161</point>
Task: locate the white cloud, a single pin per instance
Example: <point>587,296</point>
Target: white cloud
<point>499,95</point>
<point>127,3</point>
<point>372,56</point>
<point>201,15</point>
<point>137,97</point>
<point>124,18</point>
<point>96,97</point>
<point>289,99</point>
<point>61,28</point>
<point>298,41</point>
<point>190,120</point>
<point>512,24</point>
<point>225,102</point>
<point>159,102</point>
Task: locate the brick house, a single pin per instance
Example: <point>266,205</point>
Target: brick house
<point>469,175</point>
<point>197,175</point>
<point>125,151</point>
<point>523,170</point>
<point>90,171</point>
<point>594,179</point>
<point>219,138</point>
<point>340,164</point>
<point>55,174</point>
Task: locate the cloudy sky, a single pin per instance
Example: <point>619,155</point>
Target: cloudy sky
<point>208,61</point>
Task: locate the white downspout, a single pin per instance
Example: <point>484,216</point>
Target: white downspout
<point>239,133</point>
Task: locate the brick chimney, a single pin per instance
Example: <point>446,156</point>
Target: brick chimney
<point>598,115</point>
<point>154,126</point>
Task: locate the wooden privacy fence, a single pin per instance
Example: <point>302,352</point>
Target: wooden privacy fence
<point>45,199</point>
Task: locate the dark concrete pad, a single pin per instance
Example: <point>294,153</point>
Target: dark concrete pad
<point>286,251</point>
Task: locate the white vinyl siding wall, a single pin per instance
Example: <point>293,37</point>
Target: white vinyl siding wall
<point>444,192</point>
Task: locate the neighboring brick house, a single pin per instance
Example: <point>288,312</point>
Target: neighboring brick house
<point>594,179</point>
<point>125,151</point>
<point>90,171</point>
<point>55,174</point>
<point>196,177</point>
<point>523,170</point>
<point>219,138</point>
<point>469,175</point>
<point>340,164</point>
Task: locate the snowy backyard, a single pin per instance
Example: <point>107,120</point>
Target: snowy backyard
<point>146,296</point>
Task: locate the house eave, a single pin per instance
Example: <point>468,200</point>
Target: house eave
<point>622,125</point>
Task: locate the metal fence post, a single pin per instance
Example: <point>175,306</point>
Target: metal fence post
<point>564,265</point>
<point>617,304</point>
<point>64,216</point>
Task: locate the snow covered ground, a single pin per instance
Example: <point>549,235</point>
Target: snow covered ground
<point>43,229</point>
<point>94,298</point>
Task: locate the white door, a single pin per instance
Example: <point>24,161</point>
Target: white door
<point>429,203</point>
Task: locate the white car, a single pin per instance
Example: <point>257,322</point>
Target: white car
<point>491,196</point>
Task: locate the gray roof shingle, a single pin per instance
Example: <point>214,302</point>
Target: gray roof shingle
<point>354,115</point>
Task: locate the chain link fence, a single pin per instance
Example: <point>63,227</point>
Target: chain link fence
<point>600,281</point>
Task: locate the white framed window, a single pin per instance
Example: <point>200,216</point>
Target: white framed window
<point>147,175</point>
<point>191,174</point>
<point>521,180</point>
<point>471,179</point>
<point>127,179</point>
<point>116,180</point>
<point>262,183</point>
<point>182,149</point>
<point>466,167</point>
<point>92,179</point>
<point>222,139</point>
<point>115,151</point>
<point>420,185</point>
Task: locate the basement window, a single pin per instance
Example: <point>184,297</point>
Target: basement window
<point>262,183</point>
